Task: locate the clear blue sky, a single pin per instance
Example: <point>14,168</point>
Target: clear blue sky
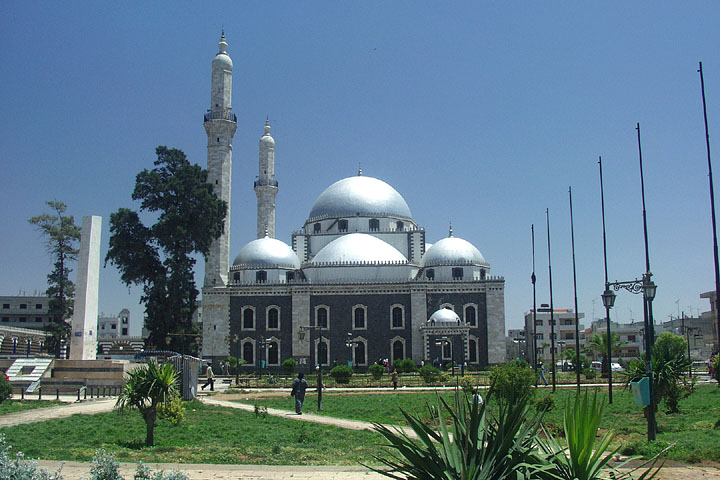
<point>478,113</point>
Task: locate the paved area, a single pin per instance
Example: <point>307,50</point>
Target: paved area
<point>80,470</point>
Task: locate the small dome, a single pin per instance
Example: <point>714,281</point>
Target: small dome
<point>267,138</point>
<point>445,315</point>
<point>453,251</point>
<point>222,60</point>
<point>358,248</point>
<point>267,253</point>
<point>360,195</point>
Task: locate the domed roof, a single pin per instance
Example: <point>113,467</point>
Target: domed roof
<point>222,59</point>
<point>360,195</point>
<point>358,248</point>
<point>445,315</point>
<point>267,253</point>
<point>267,138</point>
<point>452,251</point>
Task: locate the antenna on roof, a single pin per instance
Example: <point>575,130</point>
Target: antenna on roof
<point>359,169</point>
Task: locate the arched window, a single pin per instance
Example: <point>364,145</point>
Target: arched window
<point>430,274</point>
<point>359,317</point>
<point>236,276</point>
<point>398,350</point>
<point>316,228</point>
<point>398,320</point>
<point>400,225</point>
<point>248,319</point>
<point>290,277</point>
<point>322,352</point>
<point>249,353</point>
<point>321,317</point>
<point>342,225</point>
<point>273,319</point>
<point>473,351</point>
<point>446,351</point>
<point>470,315</point>
<point>374,224</point>
<point>360,353</point>
<point>273,354</point>
<point>457,273</point>
<point>261,276</point>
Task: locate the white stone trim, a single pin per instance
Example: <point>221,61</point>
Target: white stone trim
<point>393,307</point>
<point>242,318</point>
<point>326,341</point>
<point>360,341</point>
<point>392,351</point>
<point>475,306</point>
<point>315,316</point>
<point>360,307</point>
<point>277,341</point>
<point>252,341</point>
<point>267,318</point>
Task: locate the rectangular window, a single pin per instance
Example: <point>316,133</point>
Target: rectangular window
<point>38,306</point>
<point>23,306</point>
<point>6,305</point>
<point>23,319</point>
<point>538,323</point>
<point>124,331</point>
<point>631,338</point>
<point>6,319</point>
<point>114,327</point>
<point>38,319</point>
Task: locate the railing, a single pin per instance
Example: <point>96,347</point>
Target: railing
<point>256,183</point>
<point>224,115</point>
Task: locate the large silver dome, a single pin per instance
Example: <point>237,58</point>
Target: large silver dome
<point>453,251</point>
<point>445,315</point>
<point>267,253</point>
<point>358,248</point>
<point>360,195</point>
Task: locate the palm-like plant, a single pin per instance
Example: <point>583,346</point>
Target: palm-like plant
<point>598,343</point>
<point>585,458</point>
<point>478,445</point>
<point>146,389</point>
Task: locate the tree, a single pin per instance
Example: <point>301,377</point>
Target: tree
<point>62,236</point>
<point>148,388</point>
<point>159,257</point>
<point>570,355</point>
<point>598,344</point>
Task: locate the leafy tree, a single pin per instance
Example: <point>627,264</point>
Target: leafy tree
<point>148,388</point>
<point>189,217</point>
<point>670,367</point>
<point>61,238</point>
<point>598,344</point>
<point>570,355</point>
<point>513,381</point>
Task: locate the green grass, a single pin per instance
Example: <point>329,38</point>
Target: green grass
<point>691,429</point>
<point>207,435</point>
<point>14,406</point>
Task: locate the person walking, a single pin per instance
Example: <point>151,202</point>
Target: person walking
<point>210,379</point>
<point>298,391</point>
<point>541,367</point>
<point>394,377</point>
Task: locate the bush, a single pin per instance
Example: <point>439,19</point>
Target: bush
<point>289,366</point>
<point>104,466</point>
<point>545,404</point>
<point>144,472</point>
<point>376,371</point>
<point>341,374</point>
<point>406,365</point>
<point>5,388</point>
<point>173,410</point>
<point>590,373</point>
<point>468,383</point>
<point>513,381</point>
<point>430,374</point>
<point>20,469</point>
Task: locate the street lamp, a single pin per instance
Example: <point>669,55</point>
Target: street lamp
<point>235,338</point>
<point>441,342</point>
<point>648,289</point>
<point>318,366</point>
<point>264,342</point>
<point>350,344</point>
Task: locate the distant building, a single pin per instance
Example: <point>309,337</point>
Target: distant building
<point>564,333</point>
<point>711,316</point>
<point>698,331</point>
<point>114,340</point>
<point>515,344</point>
<point>631,337</point>
<point>113,326</point>
<point>25,311</point>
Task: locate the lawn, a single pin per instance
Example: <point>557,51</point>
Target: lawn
<point>692,429</point>
<point>207,435</point>
<point>14,406</point>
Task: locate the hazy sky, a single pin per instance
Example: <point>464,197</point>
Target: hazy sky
<point>480,114</point>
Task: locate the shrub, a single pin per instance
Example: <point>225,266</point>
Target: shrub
<point>5,388</point>
<point>173,410</point>
<point>104,466</point>
<point>341,374</point>
<point>376,371</point>
<point>468,383</point>
<point>430,374</point>
<point>545,404</point>
<point>406,365</point>
<point>715,367</point>
<point>144,472</point>
<point>590,373</point>
<point>513,381</point>
<point>20,469</point>
<point>289,366</point>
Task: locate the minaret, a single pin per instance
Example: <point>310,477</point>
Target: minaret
<point>265,186</point>
<point>220,125</point>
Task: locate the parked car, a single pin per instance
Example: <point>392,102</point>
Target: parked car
<point>616,367</point>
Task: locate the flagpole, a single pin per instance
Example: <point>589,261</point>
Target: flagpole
<point>577,320</point>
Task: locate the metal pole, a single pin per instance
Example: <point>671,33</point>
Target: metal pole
<point>712,208</point>
<point>648,317</point>
<point>552,318</point>
<point>577,320</point>
<point>607,309</point>
<point>534,316</point>
<point>319,361</point>
<point>687,339</point>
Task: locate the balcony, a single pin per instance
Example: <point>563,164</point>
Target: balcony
<point>220,115</point>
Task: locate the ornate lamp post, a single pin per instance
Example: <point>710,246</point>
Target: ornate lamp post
<point>318,366</point>
<point>648,288</point>
<point>264,342</point>
<point>350,344</point>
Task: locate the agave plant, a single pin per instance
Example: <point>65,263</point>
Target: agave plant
<point>478,445</point>
<point>586,458</point>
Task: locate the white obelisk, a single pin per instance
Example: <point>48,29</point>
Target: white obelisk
<point>83,340</point>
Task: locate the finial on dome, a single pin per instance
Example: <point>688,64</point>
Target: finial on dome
<point>359,169</point>
<point>451,232</point>
<point>267,125</point>
<point>222,45</point>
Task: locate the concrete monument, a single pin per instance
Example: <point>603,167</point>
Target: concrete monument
<point>83,340</point>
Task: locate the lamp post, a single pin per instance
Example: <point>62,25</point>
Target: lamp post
<point>441,342</point>
<point>318,366</point>
<point>648,288</point>
<point>235,338</point>
<point>264,342</point>
<point>350,344</point>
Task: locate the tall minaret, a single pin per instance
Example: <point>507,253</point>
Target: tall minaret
<point>220,125</point>
<point>265,186</point>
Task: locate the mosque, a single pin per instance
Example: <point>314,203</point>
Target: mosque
<point>358,283</point>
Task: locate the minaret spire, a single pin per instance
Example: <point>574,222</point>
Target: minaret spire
<point>450,234</point>
<point>220,125</point>
<point>266,187</point>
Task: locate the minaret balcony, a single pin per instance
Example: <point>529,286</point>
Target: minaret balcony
<point>260,183</point>
<point>220,115</point>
